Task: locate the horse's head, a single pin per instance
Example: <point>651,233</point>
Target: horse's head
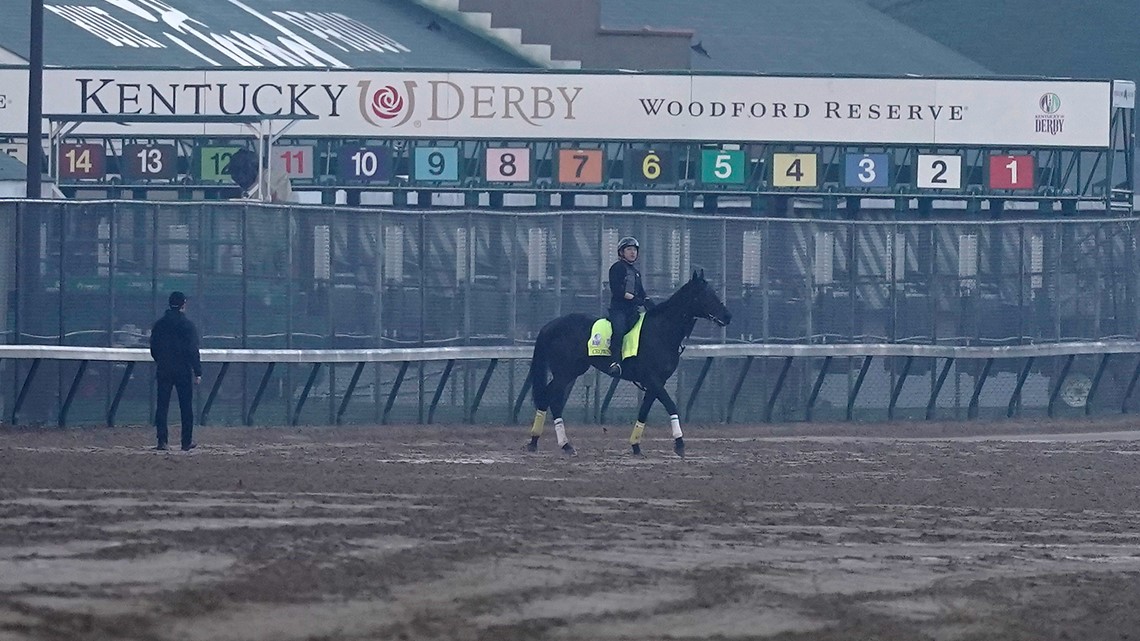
<point>702,302</point>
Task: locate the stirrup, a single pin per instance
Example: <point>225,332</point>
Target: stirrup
<point>615,368</point>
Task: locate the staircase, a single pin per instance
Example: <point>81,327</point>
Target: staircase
<point>479,22</point>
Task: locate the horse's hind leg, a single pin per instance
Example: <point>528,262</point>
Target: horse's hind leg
<point>639,427</point>
<point>559,394</point>
<point>536,430</point>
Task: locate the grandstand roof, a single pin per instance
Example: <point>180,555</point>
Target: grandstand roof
<point>795,37</point>
<point>1030,37</point>
<point>186,34</point>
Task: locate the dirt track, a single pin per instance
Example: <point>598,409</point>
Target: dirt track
<point>423,533</point>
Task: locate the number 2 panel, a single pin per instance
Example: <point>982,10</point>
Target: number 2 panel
<point>939,172</point>
<point>508,165</point>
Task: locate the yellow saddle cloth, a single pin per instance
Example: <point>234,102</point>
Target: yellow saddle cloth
<point>600,333</point>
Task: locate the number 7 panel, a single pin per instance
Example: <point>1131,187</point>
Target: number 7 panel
<point>580,166</point>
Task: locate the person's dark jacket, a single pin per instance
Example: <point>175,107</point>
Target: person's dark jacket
<point>625,278</point>
<point>174,345</point>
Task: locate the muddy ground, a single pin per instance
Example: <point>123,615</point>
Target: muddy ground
<point>1027,531</point>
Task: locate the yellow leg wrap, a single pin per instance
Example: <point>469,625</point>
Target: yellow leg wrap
<point>539,422</point>
<point>635,435</point>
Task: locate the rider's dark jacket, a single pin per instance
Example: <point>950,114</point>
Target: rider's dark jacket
<point>624,277</point>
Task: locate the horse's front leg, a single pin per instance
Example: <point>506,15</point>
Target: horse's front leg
<point>656,390</point>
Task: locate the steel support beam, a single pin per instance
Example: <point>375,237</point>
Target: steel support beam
<point>858,385</point>
<point>71,393</point>
<point>348,392</point>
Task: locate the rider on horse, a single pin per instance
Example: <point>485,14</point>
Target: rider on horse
<point>626,295</point>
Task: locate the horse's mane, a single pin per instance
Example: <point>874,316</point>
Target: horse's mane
<point>669,303</point>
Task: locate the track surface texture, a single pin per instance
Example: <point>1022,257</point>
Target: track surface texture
<point>956,531</point>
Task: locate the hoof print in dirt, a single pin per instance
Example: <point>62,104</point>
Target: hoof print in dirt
<point>569,451</point>
<point>679,446</point>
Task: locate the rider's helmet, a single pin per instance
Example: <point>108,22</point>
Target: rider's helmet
<point>628,241</point>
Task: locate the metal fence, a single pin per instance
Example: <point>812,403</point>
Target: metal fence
<point>97,274</point>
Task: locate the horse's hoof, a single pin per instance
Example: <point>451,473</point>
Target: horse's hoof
<point>637,450</point>
<point>533,445</point>
<point>568,451</point>
<point>679,446</point>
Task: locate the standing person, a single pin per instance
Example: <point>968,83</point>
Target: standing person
<point>626,295</point>
<point>174,347</point>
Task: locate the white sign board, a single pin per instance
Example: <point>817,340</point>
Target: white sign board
<point>583,106</point>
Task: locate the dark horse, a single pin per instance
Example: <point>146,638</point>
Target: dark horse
<point>561,349</point>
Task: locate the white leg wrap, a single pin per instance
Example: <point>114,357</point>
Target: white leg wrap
<point>560,432</point>
<point>675,423</point>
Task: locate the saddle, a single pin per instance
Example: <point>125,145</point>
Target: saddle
<point>602,330</point>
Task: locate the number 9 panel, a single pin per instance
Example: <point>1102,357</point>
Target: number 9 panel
<point>436,164</point>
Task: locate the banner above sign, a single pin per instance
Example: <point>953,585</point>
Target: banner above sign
<point>522,106</point>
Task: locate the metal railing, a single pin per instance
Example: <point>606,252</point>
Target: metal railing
<point>822,357</point>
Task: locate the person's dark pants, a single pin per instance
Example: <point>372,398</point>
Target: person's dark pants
<point>620,320</point>
<point>185,387</point>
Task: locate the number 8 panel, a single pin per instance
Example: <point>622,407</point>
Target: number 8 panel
<point>508,164</point>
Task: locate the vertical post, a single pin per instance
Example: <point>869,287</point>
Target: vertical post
<point>35,99</point>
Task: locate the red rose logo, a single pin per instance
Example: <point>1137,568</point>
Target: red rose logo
<point>387,103</point>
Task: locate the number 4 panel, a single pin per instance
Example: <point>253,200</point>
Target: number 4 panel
<point>508,164</point>
<point>939,172</point>
<point>795,170</point>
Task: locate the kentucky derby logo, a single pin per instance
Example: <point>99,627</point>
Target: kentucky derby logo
<point>383,104</point>
<point>1050,120</point>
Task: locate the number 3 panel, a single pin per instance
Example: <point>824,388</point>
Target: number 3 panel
<point>508,165</point>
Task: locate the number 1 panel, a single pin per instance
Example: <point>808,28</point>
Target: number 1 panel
<point>1011,172</point>
<point>437,164</point>
<point>508,164</point>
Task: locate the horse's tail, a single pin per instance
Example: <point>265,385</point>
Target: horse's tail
<point>538,370</point>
